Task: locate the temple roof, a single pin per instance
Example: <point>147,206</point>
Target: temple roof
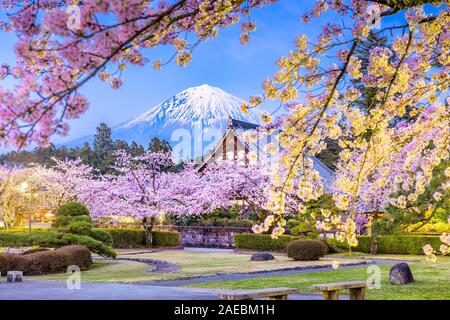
<point>238,124</point>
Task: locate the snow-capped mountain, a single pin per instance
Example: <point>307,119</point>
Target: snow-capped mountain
<point>199,114</point>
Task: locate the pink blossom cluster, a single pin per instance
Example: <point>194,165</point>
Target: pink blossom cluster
<point>62,45</point>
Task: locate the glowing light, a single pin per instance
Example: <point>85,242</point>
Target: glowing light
<point>24,186</point>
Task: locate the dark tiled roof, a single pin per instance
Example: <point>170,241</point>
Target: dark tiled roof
<point>238,124</point>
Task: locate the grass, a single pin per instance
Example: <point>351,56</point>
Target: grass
<point>106,271</point>
<point>201,264</point>
<point>432,281</point>
<point>192,264</point>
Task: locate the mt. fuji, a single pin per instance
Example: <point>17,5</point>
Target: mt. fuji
<point>198,113</point>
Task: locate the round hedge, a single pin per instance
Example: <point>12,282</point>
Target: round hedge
<point>306,250</point>
<point>73,209</point>
<point>45,262</point>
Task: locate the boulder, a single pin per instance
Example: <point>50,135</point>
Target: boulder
<point>401,274</point>
<point>262,256</point>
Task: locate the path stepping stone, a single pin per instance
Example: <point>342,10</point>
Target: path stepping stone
<point>262,256</point>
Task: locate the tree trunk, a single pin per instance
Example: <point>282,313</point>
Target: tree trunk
<point>373,245</point>
<point>373,236</point>
<point>148,228</point>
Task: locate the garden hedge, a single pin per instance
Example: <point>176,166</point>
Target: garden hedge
<point>135,238</point>
<point>166,238</point>
<point>43,262</point>
<point>388,244</point>
<point>397,244</point>
<point>53,239</point>
<point>262,241</point>
<point>125,238</point>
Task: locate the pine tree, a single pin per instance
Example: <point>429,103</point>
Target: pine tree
<point>157,145</point>
<point>136,149</point>
<point>86,154</point>
<point>368,94</point>
<point>103,149</point>
<point>121,145</point>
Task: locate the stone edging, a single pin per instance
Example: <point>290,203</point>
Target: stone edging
<point>159,266</point>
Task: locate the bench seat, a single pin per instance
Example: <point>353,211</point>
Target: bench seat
<point>330,291</point>
<point>272,293</point>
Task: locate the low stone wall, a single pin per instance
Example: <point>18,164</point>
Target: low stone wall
<point>211,237</point>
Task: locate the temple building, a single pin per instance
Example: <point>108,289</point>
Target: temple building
<point>247,143</point>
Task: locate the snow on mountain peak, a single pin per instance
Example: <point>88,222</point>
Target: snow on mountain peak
<point>197,116</point>
<point>204,103</point>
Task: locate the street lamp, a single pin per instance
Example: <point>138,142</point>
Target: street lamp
<point>24,187</point>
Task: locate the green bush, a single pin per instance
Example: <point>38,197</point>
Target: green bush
<point>395,244</point>
<point>14,239</point>
<point>93,245</point>
<point>44,262</point>
<point>166,238</point>
<point>306,250</point>
<point>73,209</point>
<point>53,239</point>
<point>102,236</point>
<point>263,242</point>
<point>125,238</point>
<point>135,238</point>
<point>406,244</point>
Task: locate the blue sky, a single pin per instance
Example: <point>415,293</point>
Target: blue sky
<point>221,62</point>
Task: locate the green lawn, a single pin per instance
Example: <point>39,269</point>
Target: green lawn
<point>192,264</point>
<point>432,281</point>
<point>107,271</point>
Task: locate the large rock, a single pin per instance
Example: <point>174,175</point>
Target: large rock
<point>262,256</point>
<point>401,274</point>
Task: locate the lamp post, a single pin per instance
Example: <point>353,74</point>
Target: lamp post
<point>24,187</point>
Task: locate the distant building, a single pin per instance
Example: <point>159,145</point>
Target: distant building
<point>245,143</point>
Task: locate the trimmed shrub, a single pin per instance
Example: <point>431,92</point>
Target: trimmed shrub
<point>33,250</point>
<point>11,261</point>
<point>406,244</point>
<point>306,250</point>
<point>53,239</point>
<point>93,245</point>
<point>73,209</point>
<point>102,236</point>
<point>125,238</point>
<point>79,226</point>
<point>263,242</point>
<point>14,239</point>
<point>395,244</point>
<point>166,238</point>
<point>44,262</point>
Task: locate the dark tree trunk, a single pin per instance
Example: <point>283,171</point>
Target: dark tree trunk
<point>374,245</point>
<point>148,228</point>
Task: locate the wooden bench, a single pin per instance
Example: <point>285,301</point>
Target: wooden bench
<point>330,291</point>
<point>14,276</point>
<point>272,294</point>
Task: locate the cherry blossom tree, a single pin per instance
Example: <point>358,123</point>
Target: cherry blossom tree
<point>62,45</point>
<point>410,74</point>
<point>412,71</point>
